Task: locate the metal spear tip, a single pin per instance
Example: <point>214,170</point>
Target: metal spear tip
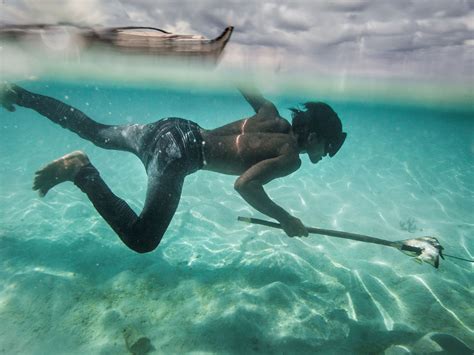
<point>424,249</point>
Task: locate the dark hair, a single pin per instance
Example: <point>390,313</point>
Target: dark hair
<point>321,119</point>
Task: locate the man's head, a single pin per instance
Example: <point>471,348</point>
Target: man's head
<point>319,130</point>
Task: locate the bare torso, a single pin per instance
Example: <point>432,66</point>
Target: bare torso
<point>234,148</point>
<point>258,149</point>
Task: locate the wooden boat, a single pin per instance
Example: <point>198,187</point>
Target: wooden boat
<point>132,39</point>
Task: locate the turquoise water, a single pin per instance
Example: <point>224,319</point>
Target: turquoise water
<point>215,285</point>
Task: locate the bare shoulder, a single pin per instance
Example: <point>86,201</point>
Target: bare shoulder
<point>267,120</point>
<point>293,162</point>
<point>267,110</point>
<point>262,122</point>
<point>269,169</point>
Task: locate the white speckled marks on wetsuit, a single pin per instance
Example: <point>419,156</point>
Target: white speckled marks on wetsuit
<point>131,134</point>
<point>172,149</point>
<point>173,139</point>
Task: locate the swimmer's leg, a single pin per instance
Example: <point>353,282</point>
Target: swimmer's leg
<point>140,233</point>
<point>118,137</point>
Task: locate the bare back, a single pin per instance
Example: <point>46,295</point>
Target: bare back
<point>235,147</point>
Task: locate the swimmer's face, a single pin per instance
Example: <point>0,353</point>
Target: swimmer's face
<point>315,147</point>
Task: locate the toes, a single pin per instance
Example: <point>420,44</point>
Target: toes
<point>43,181</point>
<point>40,186</point>
<point>42,190</point>
<point>40,179</point>
<point>37,184</point>
<point>47,172</point>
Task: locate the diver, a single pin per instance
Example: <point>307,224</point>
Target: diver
<point>257,149</point>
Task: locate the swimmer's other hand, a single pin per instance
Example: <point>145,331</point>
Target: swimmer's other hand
<point>8,96</point>
<point>293,227</point>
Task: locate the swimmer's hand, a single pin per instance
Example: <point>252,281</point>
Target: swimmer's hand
<point>8,96</point>
<point>293,227</point>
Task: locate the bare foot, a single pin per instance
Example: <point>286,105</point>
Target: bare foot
<point>58,171</point>
<point>8,96</point>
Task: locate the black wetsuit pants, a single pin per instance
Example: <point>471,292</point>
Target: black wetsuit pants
<point>170,149</point>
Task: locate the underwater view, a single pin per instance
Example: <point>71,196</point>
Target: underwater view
<point>216,284</point>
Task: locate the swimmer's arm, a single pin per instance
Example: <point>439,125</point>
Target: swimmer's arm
<point>261,105</point>
<point>250,187</point>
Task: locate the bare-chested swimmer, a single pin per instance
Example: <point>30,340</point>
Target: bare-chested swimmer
<point>258,149</point>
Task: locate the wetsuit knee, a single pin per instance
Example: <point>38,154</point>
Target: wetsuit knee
<point>143,244</point>
<point>143,249</point>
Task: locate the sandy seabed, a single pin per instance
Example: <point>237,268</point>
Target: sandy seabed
<point>216,285</point>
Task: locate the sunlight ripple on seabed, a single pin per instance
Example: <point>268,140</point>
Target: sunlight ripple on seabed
<point>387,320</point>
<point>441,303</point>
<point>352,312</point>
<point>390,292</point>
<point>464,246</point>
